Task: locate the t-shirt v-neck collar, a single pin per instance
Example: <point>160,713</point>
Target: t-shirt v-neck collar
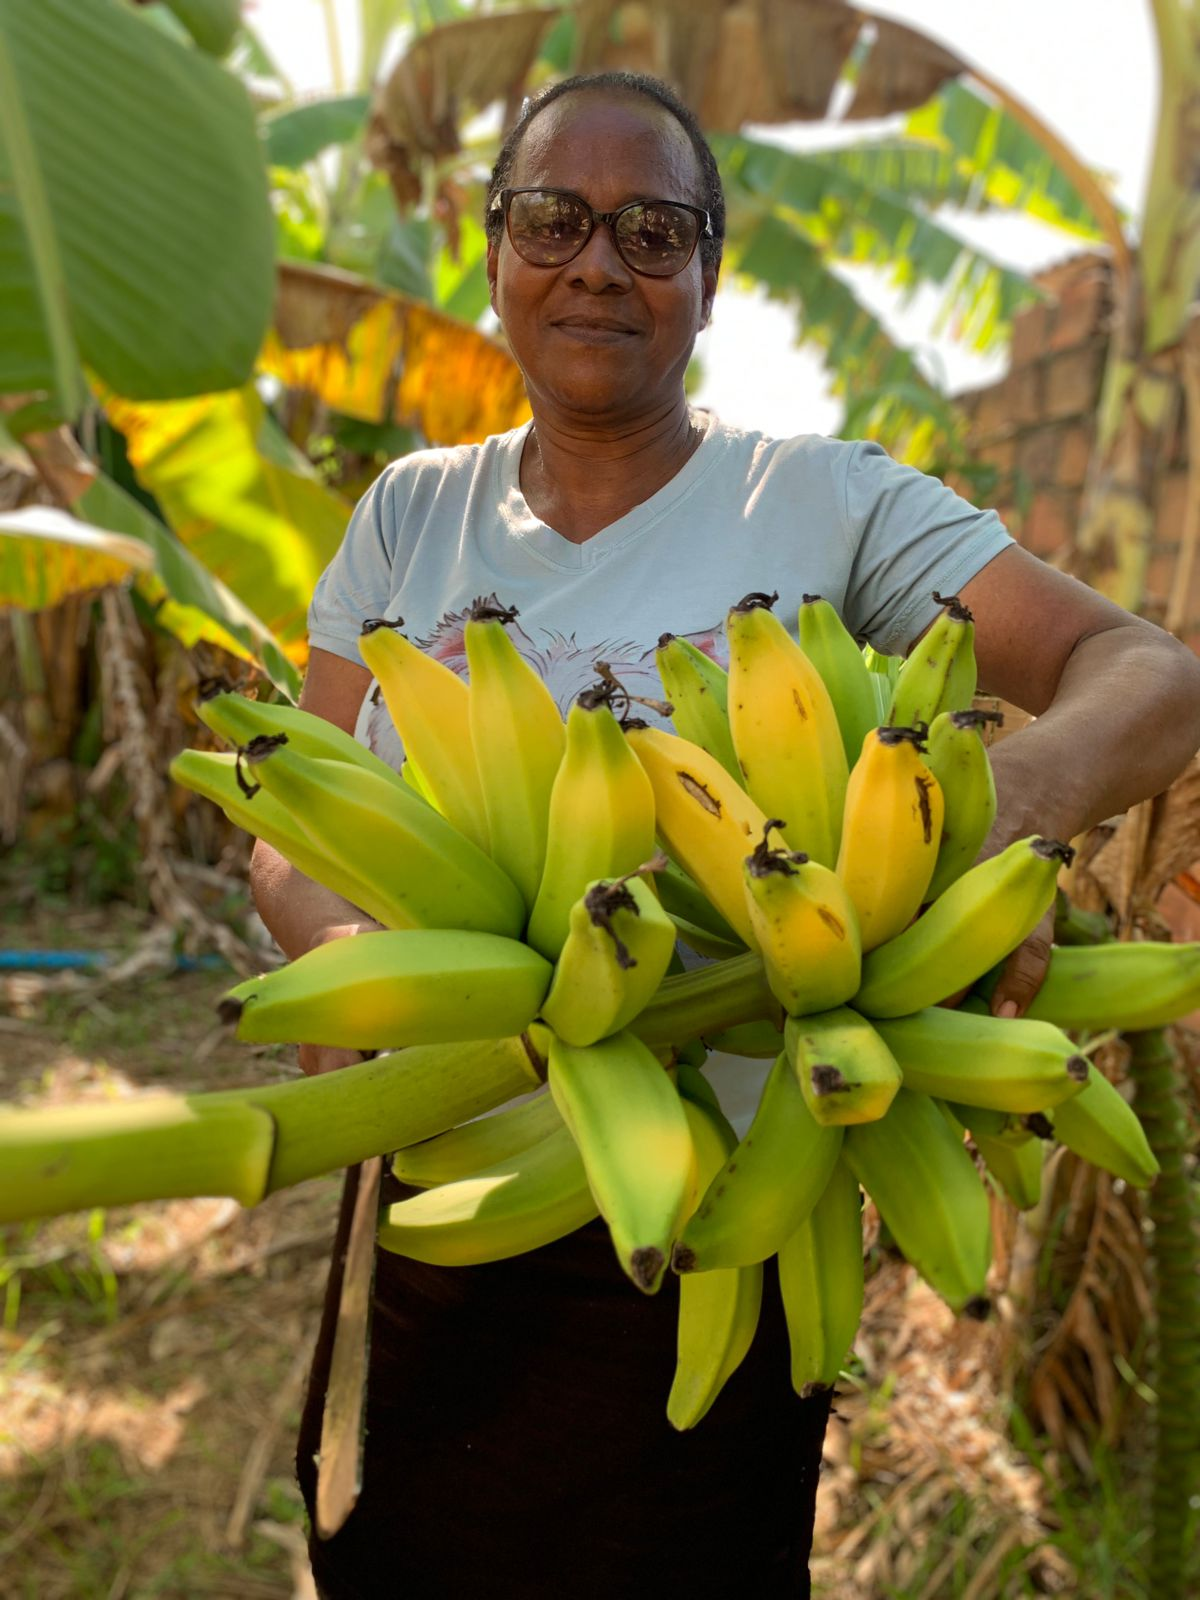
<point>556,550</point>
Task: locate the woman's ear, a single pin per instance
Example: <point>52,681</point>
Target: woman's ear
<point>708,293</point>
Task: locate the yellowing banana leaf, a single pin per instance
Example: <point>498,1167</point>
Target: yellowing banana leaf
<point>45,555</point>
<point>247,505</point>
<point>379,356</point>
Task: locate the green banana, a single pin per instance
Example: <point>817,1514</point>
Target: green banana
<point>935,678</point>
<point>844,1067</point>
<point>696,1004</point>
<point>628,1121</point>
<point>697,921</point>
<point>762,1041</point>
<point>830,647</point>
<point>928,1194</point>
<point>805,926</point>
<point>1015,1161</point>
<point>768,1185</point>
<point>614,959</point>
<point>239,720</point>
<point>821,1282</point>
<point>1099,1124</point>
<point>413,986</point>
<point>1131,986</point>
<point>958,759</point>
<point>975,923</point>
<point>698,689</point>
<point>1001,1063</point>
<point>472,1146</point>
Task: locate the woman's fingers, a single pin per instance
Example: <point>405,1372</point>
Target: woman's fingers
<point>1024,971</point>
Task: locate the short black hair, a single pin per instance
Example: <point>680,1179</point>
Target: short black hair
<point>618,83</point>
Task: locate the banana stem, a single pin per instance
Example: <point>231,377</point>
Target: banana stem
<point>1175,1259</point>
<point>708,1000</point>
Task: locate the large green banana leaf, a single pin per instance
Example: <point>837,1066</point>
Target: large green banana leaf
<point>213,24</point>
<point>135,227</point>
<point>300,133</point>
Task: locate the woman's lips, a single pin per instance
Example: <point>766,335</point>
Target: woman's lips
<point>595,332</point>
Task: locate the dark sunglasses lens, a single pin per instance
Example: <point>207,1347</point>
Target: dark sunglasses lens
<point>657,239</point>
<point>547,229</point>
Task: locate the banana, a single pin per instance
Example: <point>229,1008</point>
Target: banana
<point>718,1311</point>
<point>422,872</point>
<point>697,1004</point>
<point>935,678</point>
<point>821,1282</point>
<point>767,1186</point>
<point>697,921</point>
<point>471,1147</point>
<point>1131,986</point>
<point>958,759</point>
<point>890,832</point>
<point>429,706</point>
<point>827,643</point>
<point>414,986</point>
<point>762,1041</point>
<point>601,822</point>
<point>628,1121</point>
<point>1100,1125</point>
<point>844,1068</point>
<point>1000,1063</point>
<point>1011,1153</point>
<point>806,927</point>
<point>615,957</point>
<point>524,1201</point>
<point>698,689</point>
<point>518,738</point>
<point>969,928</point>
<point>785,730</point>
<point>929,1195</point>
<point>706,821</point>
<point>239,720</point>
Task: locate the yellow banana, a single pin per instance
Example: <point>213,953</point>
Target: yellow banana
<point>958,759</point>
<point>844,1068</point>
<point>1131,986</point>
<point>768,1185</point>
<point>524,1201</point>
<point>601,818</point>
<point>824,638</point>
<point>628,1121</point>
<point>240,720</point>
<point>999,1063</point>
<point>518,739</point>
<point>806,927</point>
<point>785,730</point>
<point>422,872</point>
<point>931,1198</point>
<point>614,959</point>
<point>821,1282</point>
<point>1100,1125</point>
<point>463,1151</point>
<point>890,832</point>
<point>429,706</point>
<point>698,689</point>
<point>973,925</point>
<point>718,1311</point>
<point>939,674</point>
<point>414,986</point>
<point>706,821</point>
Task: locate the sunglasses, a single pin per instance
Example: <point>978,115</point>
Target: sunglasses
<point>549,227</point>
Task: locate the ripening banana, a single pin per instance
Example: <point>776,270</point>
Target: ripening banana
<point>463,1151</point>
<point>785,730</point>
<point>1131,986</point>
<point>615,957</point>
<point>697,921</point>
<point>843,1066</point>
<point>973,925</point>
<point>768,1185</point>
<point>698,689</point>
<point>928,1193</point>
<point>524,1201</point>
<point>890,833</point>
<point>958,759</point>
<point>1099,1124</point>
<point>705,820</point>
<point>821,1282</point>
<point>806,928</point>
<point>934,678</point>
<point>518,739</point>
<point>999,1063</point>
<point>628,1121</point>
<point>239,720</point>
<point>718,1311</point>
<point>412,986</point>
<point>1010,1152</point>
<point>422,872</point>
<point>429,707</point>
<point>601,818</point>
<point>830,647</point>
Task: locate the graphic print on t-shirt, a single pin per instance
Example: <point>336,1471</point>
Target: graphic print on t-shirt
<point>564,665</point>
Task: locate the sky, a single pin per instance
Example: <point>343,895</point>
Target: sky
<point>1087,66</point>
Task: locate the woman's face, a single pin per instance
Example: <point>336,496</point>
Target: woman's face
<point>593,338</point>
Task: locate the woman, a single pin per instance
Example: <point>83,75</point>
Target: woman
<point>516,1437</point>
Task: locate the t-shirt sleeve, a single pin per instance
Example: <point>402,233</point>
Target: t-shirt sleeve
<point>910,535</point>
<point>357,583</point>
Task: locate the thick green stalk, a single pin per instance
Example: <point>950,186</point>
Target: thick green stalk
<point>708,1000</point>
<point>1175,1257</point>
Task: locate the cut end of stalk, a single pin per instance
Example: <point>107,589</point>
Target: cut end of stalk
<point>489,610</point>
<point>683,1258</point>
<point>645,1267</point>
<point>756,600</point>
<point>978,1308</point>
<point>261,746</point>
<point>954,606</point>
<point>1053,850</point>
<point>600,902</point>
<point>810,1391</point>
<point>664,640</point>
<point>916,735</point>
<point>1039,1125</point>
<point>209,688</point>
<point>1078,1068</point>
<point>826,1079</point>
<point>976,719</point>
<point>229,1010</point>
<point>810,600</point>
<point>372,624</point>
<point>764,860</point>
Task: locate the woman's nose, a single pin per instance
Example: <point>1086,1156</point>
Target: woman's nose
<point>598,265</point>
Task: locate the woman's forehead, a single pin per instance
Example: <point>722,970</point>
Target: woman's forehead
<point>623,143</point>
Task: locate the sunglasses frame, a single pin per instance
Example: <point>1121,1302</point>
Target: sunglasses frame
<point>503,204</point>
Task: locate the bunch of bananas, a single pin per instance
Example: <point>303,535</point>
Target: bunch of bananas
<point>812,828</point>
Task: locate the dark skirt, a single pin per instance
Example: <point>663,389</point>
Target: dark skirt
<point>518,1446</point>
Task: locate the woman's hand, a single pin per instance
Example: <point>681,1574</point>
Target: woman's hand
<point>317,1058</point>
<point>1020,813</point>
